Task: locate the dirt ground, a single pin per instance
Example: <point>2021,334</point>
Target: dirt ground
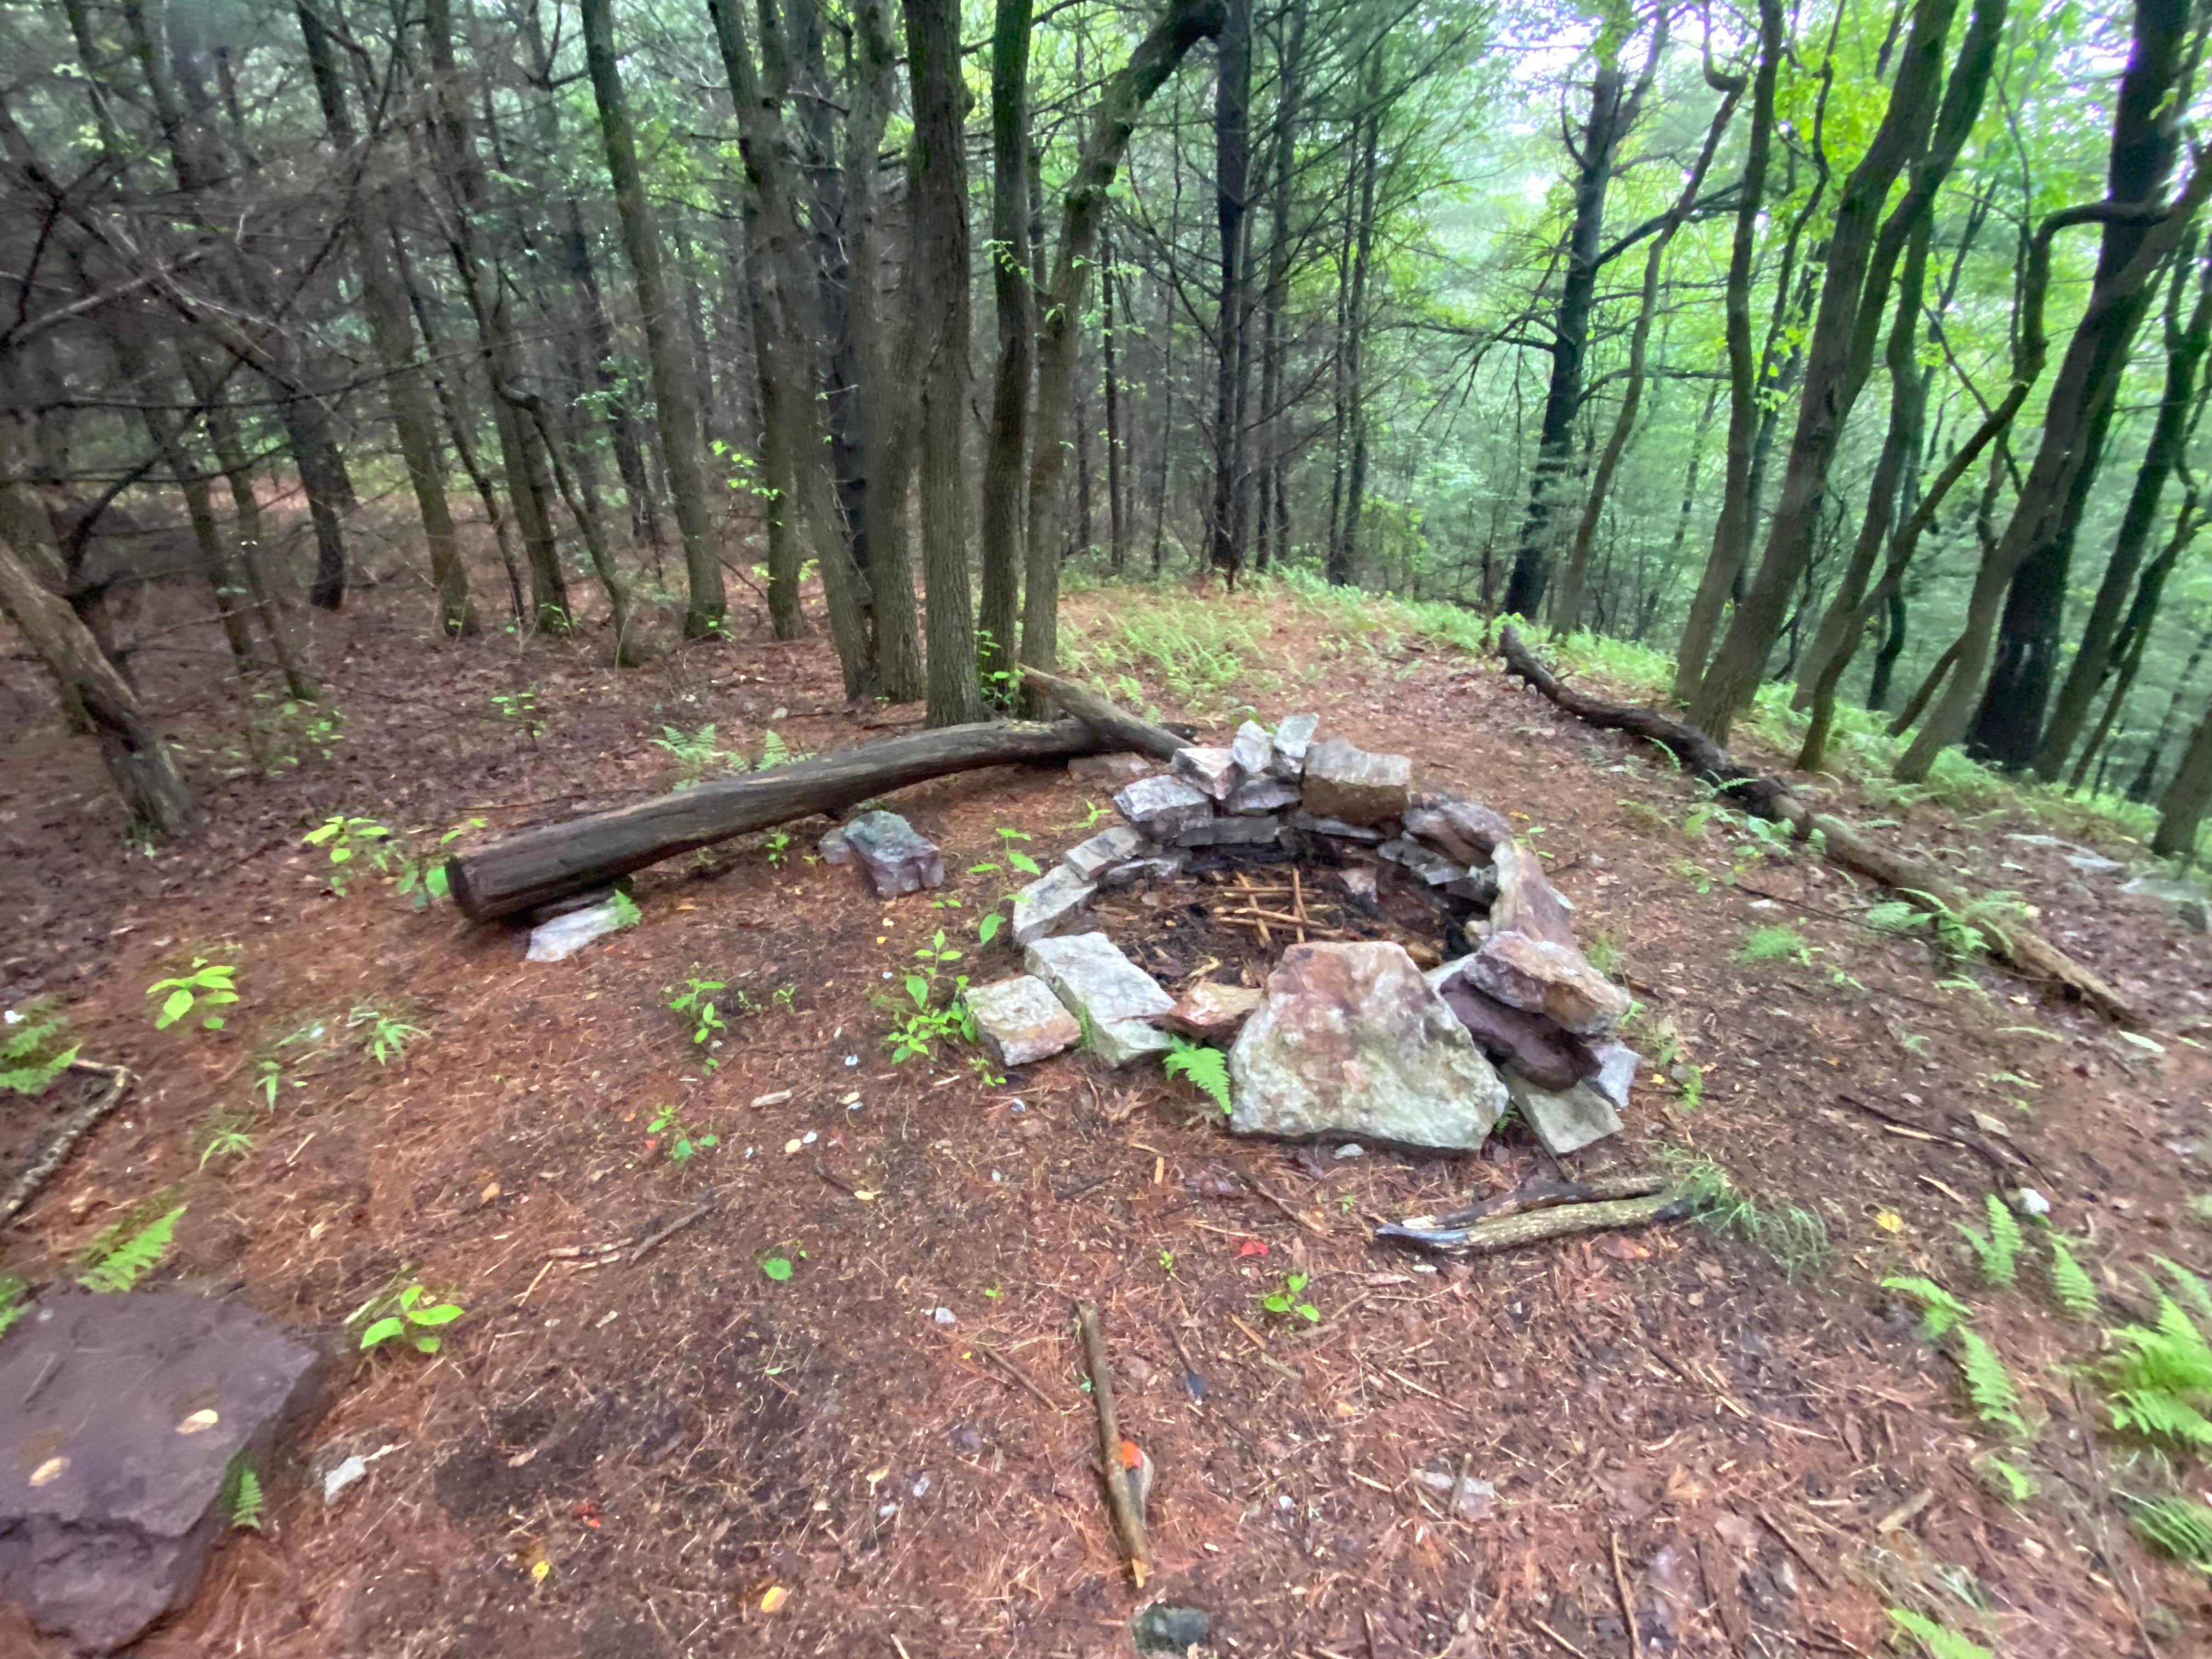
<point>890,1452</point>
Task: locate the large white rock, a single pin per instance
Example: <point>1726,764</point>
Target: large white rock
<point>1351,1041</point>
<point>1113,997</point>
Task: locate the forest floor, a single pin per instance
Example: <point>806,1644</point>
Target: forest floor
<point>630,1457</point>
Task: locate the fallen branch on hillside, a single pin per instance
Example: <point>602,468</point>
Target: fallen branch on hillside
<point>1128,1508</point>
<point>520,872</point>
<point>74,1128</point>
<point>1769,797</point>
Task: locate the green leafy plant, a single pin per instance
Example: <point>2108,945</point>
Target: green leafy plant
<point>415,1317</point>
<point>777,846</point>
<point>1941,1641</point>
<point>388,1035</point>
<point>1998,1250</point>
<point>696,1002</point>
<point>204,986</point>
<point>1940,1311</point>
<point>1010,856</point>
<point>116,1264</point>
<point>1989,1384</point>
<point>2006,1479</point>
<point>1287,1301</point>
<point>777,1267</point>
<point>422,879</point>
<point>684,1143</point>
<point>13,1302</point>
<point>1205,1068</point>
<point>624,909</point>
<point>2159,1384</point>
<point>1795,1239</point>
<point>1602,953</point>
<point>1963,935</point>
<point>225,1135</point>
<point>935,1017</point>
<point>519,710</point>
<point>696,753</point>
<point>241,1496</point>
<point>34,1047</point>
<point>346,839</point>
<point>2178,1527</point>
<point>2070,1283</point>
<point>1774,943</point>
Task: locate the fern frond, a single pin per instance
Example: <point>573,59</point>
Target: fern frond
<point>1940,1311</point>
<point>1940,1642</point>
<point>242,1496</point>
<point>13,1307</point>
<point>1989,1383</point>
<point>1205,1068</point>
<point>2008,1481</point>
<point>2177,1527</point>
<point>2193,1290</point>
<point>2161,1416</point>
<point>121,1269</point>
<point>34,1048</point>
<point>2070,1282</point>
<point>2004,1233</point>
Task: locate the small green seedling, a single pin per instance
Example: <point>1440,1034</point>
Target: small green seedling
<point>520,709</point>
<point>387,1038</point>
<point>206,986</point>
<point>684,1143</point>
<point>422,876</point>
<point>1286,1301</point>
<point>347,838</point>
<point>777,1267</point>
<point>696,1002</point>
<point>1206,1068</point>
<point>414,1318</point>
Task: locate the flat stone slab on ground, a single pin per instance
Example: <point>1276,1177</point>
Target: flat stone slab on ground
<point>1212,772</point>
<point>896,857</point>
<point>1315,825</point>
<point>1231,832</point>
<point>1091,858</point>
<point>1293,735</point>
<point>1162,806</point>
<point>1616,1071</point>
<point>1110,995</point>
<point>1548,978</point>
<point>1351,1041</point>
<point>1111,768</point>
<point>1048,904</point>
<point>1019,1020</point>
<point>1565,1120</point>
<point>1212,1010</point>
<point>2190,905</point>
<point>1431,866</point>
<point>1344,783</point>
<point>1462,829</point>
<point>120,1415</point>
<point>1262,795</point>
<point>1164,865</point>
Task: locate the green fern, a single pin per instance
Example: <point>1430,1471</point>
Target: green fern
<point>2192,1289</point>
<point>1205,1068</point>
<point>2177,1526</point>
<point>2008,1481</point>
<point>2070,1282</point>
<point>34,1047</point>
<point>1940,1642</point>
<point>13,1306</point>
<point>242,1496</point>
<point>120,1268</point>
<point>1996,1400</point>
<point>1940,1311</point>
<point>1999,1250</point>
<point>2159,1383</point>
<point>1895,916</point>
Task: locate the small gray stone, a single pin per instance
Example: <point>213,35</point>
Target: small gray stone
<point>1165,865</point>
<point>1344,783</point>
<point>1161,806</point>
<point>1462,829</point>
<point>1479,886</point>
<point>834,848</point>
<point>1262,795</point>
<point>1358,880</point>
<point>1564,1121</point>
<point>1019,1020</point>
<point>122,1414</point>
<point>1212,771</point>
<point>1091,858</point>
<point>1351,1041</point>
<point>1165,1628</point>
<point>2190,907</point>
<point>1110,995</point>
<point>1111,768</point>
<point>565,935</point>
<point>1313,825</point>
<point>1616,1071</point>
<point>1252,749</point>
<point>1432,866</point>
<point>1049,903</point>
<point>897,858</point>
<point>1292,736</point>
<point>1231,832</point>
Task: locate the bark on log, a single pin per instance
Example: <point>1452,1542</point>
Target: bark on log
<point>2026,950</point>
<point>539,866</point>
<point>1125,730</point>
<point>1508,1232</point>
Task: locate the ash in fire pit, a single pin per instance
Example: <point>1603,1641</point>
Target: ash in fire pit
<point>1312,873</point>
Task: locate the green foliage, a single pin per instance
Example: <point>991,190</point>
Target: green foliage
<point>2178,1528</point>
<point>422,879</point>
<point>696,1002</point>
<point>388,1035</point>
<point>1989,1385</point>
<point>1197,651</point>
<point>1998,1250</point>
<point>684,1142</point>
<point>1205,1068</point>
<point>118,1265</point>
<point>1603,953</point>
<point>225,1134</point>
<point>2006,1479</point>
<point>939,1011</point>
<point>623,908</point>
<point>1287,1301</point>
<point>1942,1642</point>
<point>696,753</point>
<point>1940,1311</point>
<point>2076,1292</point>
<point>1774,943</point>
<point>2159,1383</point>
<point>346,839</point>
<point>205,986</point>
<point>1794,1238</point>
<point>413,1317</point>
<point>777,1268</point>
<point>519,710</point>
<point>13,1302</point>
<point>1963,935</point>
<point>34,1047</point>
<point>241,1496</point>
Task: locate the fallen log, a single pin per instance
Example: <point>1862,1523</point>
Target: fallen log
<point>520,872</point>
<point>1451,1229</point>
<point>1508,1232</point>
<point>1122,729</point>
<point>1769,797</point>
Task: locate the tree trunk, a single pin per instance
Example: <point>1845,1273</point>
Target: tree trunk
<point>1117,517</point>
<point>1274,293</point>
<point>1231,162</point>
<point>2181,809</point>
<point>1346,551</point>
<point>675,395</point>
<point>1006,454</point>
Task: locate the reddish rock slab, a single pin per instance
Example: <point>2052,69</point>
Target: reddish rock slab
<point>1526,902</point>
<point>1539,1048</point>
<point>1463,830</point>
<point>1211,1011</point>
<point>1111,768</point>
<point>1544,977</point>
<point>1341,781</point>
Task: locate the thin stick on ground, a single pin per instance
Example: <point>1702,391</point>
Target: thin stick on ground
<point>79,1124</point>
<point>1628,1598</point>
<point>1129,1520</point>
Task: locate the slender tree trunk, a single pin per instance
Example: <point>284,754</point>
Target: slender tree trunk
<point>1231,162</point>
<point>675,395</point>
<point>2181,809</point>
<point>1356,306</point>
<point>1005,453</point>
<point>1117,516</point>
<point>1274,295</point>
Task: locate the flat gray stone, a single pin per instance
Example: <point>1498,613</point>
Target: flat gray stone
<point>120,1416</point>
<point>1351,1041</point>
<point>1164,865</point>
<point>1111,768</point>
<point>1212,772</point>
<point>1344,783</point>
<point>1162,806</point>
<point>1315,825</point>
<point>836,848</point>
<point>562,937</point>
<point>1231,832</point>
<point>1462,829</point>
<point>1050,904</point>
<point>896,858</point>
<point>1293,735</point>
<point>2190,905</point>
<point>1019,1020</point>
<point>1262,795</point>
<point>1562,1120</point>
<point>1616,1071</point>
<point>1252,749</point>
<point>1113,997</point>
<point>1431,866</point>
<point>1092,859</point>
